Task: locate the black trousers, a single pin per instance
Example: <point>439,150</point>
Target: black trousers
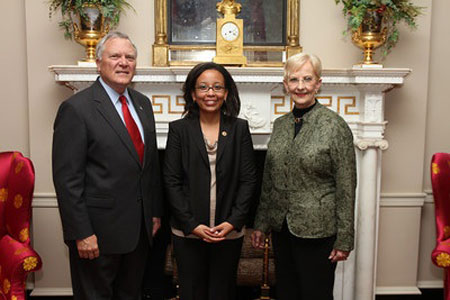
<point>207,271</point>
<point>109,277</point>
<point>156,285</point>
<point>302,268</point>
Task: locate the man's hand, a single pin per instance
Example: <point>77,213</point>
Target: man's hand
<point>337,255</point>
<point>204,232</point>
<point>257,239</point>
<point>88,247</point>
<point>156,225</point>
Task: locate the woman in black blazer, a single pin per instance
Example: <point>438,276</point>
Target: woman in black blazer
<point>210,179</point>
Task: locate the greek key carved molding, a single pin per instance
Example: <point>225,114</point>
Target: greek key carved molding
<point>343,105</point>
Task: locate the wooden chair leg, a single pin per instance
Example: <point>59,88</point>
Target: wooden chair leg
<point>265,288</point>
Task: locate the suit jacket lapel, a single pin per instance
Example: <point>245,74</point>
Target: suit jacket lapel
<point>199,141</point>
<point>224,136</point>
<point>109,112</point>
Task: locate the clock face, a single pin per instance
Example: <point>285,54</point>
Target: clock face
<point>229,31</point>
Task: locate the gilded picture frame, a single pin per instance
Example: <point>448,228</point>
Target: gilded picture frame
<point>170,50</point>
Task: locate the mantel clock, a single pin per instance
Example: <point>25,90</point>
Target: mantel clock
<point>229,35</point>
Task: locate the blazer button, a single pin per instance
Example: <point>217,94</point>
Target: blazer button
<point>139,200</point>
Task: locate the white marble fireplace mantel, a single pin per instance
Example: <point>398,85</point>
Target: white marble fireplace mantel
<point>356,94</point>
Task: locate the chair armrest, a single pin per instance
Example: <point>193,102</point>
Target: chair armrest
<point>16,261</point>
<point>441,254</point>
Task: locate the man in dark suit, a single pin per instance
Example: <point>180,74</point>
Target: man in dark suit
<point>107,177</point>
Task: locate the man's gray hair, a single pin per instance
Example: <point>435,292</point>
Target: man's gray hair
<point>112,35</point>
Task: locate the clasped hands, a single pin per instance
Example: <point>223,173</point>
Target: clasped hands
<point>335,255</point>
<point>215,234</point>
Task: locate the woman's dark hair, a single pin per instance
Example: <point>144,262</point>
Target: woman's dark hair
<point>231,106</point>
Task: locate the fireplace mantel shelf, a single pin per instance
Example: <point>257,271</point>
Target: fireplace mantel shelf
<point>67,73</point>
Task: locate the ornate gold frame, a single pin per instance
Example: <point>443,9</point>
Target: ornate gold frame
<point>161,48</point>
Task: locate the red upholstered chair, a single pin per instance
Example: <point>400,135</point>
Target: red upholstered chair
<point>17,258</point>
<point>440,180</point>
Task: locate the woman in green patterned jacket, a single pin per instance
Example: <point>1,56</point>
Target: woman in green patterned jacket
<point>308,191</point>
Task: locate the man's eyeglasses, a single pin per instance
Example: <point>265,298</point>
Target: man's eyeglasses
<point>217,88</point>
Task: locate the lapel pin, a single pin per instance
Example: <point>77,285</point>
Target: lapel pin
<point>224,133</point>
<point>140,107</point>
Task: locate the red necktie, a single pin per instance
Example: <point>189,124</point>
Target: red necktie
<point>132,128</point>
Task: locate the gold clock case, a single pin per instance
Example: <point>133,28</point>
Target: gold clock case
<point>162,49</point>
<point>230,52</point>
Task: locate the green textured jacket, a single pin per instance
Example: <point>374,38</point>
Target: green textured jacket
<point>310,180</point>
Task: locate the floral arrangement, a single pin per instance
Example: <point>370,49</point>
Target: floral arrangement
<point>110,9</point>
<point>392,11</point>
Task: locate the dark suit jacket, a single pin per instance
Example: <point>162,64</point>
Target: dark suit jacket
<point>101,186</point>
<point>187,173</point>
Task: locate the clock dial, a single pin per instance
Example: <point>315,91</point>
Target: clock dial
<point>229,31</point>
